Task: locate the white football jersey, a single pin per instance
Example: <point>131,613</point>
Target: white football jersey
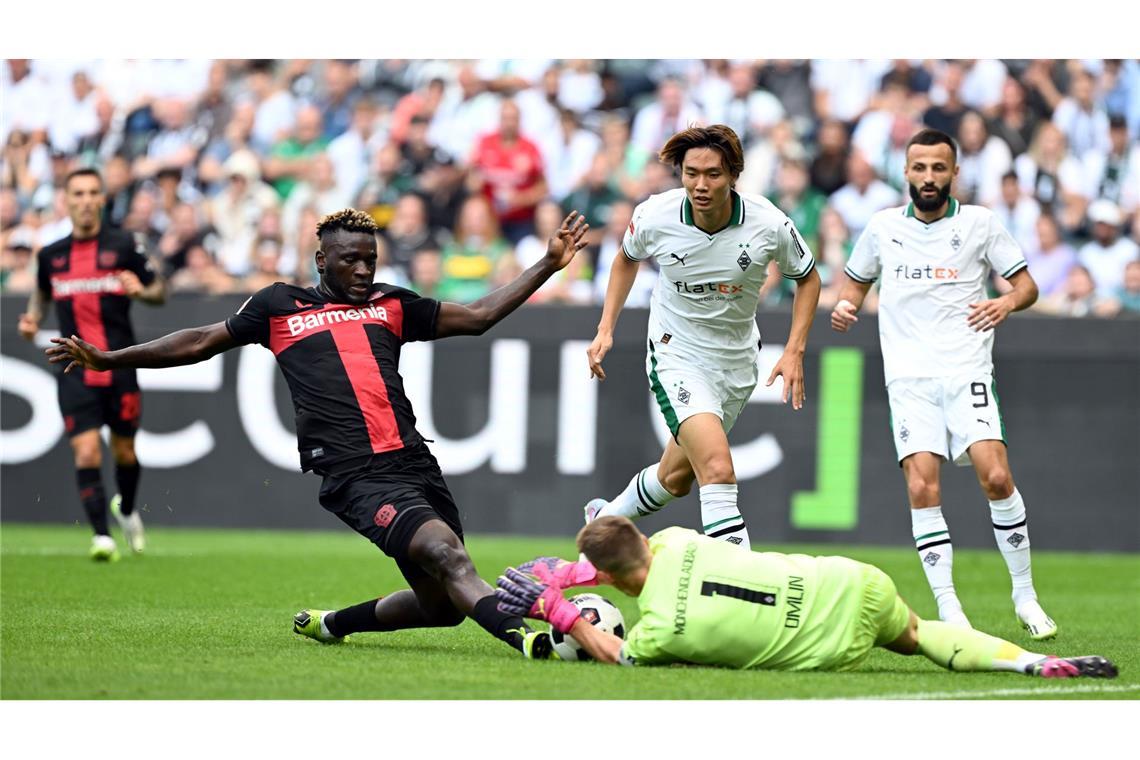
<point>928,276</point>
<point>704,303</point>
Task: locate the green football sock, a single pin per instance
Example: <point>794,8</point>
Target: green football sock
<point>955,647</point>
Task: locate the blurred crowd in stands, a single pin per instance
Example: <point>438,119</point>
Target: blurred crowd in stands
<point>221,168</point>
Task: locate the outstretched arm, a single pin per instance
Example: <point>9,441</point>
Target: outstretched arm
<point>183,347</point>
<point>479,317</point>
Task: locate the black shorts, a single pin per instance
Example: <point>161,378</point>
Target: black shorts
<point>387,500</point>
<point>87,407</point>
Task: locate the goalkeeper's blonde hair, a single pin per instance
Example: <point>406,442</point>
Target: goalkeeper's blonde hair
<point>614,545</point>
<point>349,220</point>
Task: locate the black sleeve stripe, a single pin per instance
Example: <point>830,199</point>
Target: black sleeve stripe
<point>796,240</point>
<point>857,278</point>
<point>628,256</point>
<point>1015,269</point>
<point>802,274</point>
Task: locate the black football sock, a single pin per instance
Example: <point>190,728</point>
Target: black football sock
<point>355,619</point>
<point>509,629</point>
<point>127,478</point>
<point>90,482</point>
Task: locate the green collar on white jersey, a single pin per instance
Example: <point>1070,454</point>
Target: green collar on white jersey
<point>736,218</point>
<point>951,211</point>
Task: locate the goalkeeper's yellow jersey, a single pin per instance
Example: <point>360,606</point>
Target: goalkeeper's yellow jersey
<point>710,602</point>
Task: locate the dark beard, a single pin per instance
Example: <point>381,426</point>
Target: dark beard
<point>934,203</point>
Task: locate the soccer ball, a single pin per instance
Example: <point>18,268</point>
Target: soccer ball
<point>596,610</point>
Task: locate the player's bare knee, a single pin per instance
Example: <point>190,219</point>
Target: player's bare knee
<point>87,453</point>
<point>123,450</point>
<point>997,483</point>
<point>446,563</point>
<point>922,492</point>
<point>718,469</point>
<point>679,483</point>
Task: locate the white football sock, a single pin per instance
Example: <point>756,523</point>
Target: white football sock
<point>932,540</point>
<point>1012,536</point>
<point>720,516</point>
<point>643,496</point>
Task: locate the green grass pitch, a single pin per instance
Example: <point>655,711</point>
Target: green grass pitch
<point>206,614</point>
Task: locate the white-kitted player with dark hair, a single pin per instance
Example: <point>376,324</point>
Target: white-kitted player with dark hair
<point>932,259</point>
<point>713,247</point>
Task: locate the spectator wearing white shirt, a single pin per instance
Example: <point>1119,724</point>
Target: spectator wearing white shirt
<point>982,160</point>
<point>235,211</point>
<point>1018,213</point>
<point>25,106</point>
<point>567,155</point>
<point>1106,255</point>
<point>466,111</point>
<point>319,191</point>
<point>275,107</point>
<point>1115,174</point>
<point>863,195</point>
<point>749,111</point>
<point>351,152</point>
<point>671,112</point>
<point>883,132</point>
<point>176,145</point>
<point>843,89</point>
<point>73,114</point>
<point>1081,118</point>
<point>982,82</point>
<point>580,86</point>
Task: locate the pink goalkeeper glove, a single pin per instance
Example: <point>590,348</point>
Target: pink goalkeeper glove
<point>554,571</point>
<point>521,594</point>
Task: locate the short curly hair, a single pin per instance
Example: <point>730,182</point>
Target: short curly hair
<point>349,220</point>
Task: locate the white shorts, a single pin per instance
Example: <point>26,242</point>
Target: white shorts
<point>944,415</point>
<point>683,389</point>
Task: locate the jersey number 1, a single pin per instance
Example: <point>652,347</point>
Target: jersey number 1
<point>711,588</point>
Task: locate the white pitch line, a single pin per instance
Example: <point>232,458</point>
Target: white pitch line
<point>1019,692</point>
<point>53,552</point>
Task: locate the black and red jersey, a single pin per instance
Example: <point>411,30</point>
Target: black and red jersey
<point>341,363</point>
<point>82,277</point>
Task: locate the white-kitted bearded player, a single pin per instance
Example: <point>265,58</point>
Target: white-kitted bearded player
<point>932,259</point>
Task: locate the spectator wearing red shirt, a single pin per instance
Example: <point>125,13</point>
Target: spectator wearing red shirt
<point>507,168</point>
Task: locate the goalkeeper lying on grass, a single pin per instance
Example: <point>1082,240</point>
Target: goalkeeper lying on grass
<point>706,602</point>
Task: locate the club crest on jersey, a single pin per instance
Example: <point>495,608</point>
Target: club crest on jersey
<point>58,262</point>
<point>683,395</point>
<point>955,242</point>
<point>107,259</point>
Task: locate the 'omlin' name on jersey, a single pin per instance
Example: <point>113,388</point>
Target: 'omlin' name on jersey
<point>704,303</point>
<point>929,274</point>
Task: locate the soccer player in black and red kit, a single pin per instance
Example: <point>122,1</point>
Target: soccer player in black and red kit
<point>338,345</point>
<point>92,275</point>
